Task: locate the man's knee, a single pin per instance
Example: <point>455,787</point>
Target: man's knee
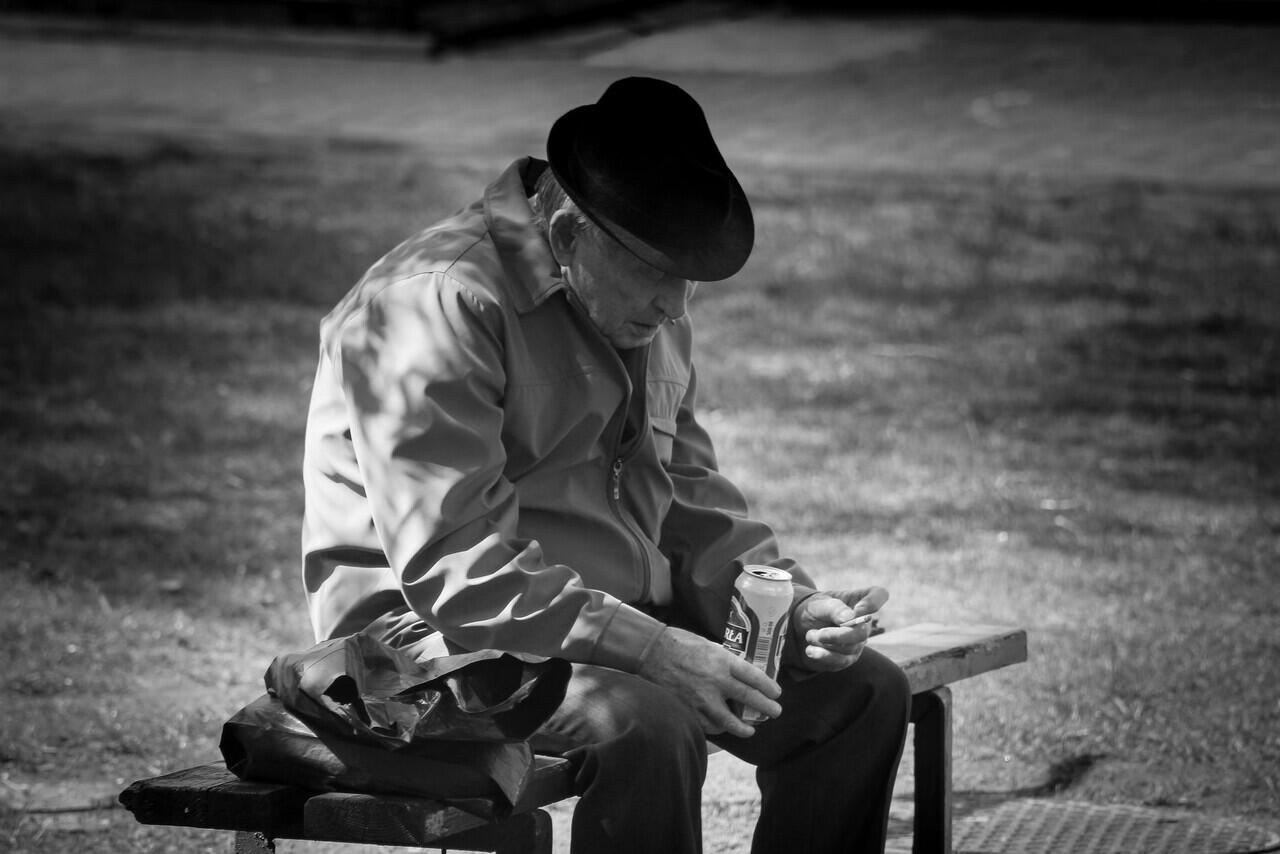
<point>885,693</point>
<point>624,721</point>
<point>893,691</point>
<point>653,727</point>
<point>869,702</point>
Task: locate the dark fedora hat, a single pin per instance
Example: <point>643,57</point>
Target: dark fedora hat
<point>642,165</point>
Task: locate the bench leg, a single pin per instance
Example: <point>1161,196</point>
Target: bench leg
<point>248,842</point>
<point>931,714</point>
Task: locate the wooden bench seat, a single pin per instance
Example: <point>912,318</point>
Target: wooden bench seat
<point>933,656</point>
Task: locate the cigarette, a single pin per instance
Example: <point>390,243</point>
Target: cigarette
<point>858,621</point>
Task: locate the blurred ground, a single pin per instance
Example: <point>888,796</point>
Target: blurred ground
<point>1162,102</point>
<point>1174,104</point>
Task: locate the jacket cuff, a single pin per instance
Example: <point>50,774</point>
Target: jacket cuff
<point>626,639</point>
<point>800,593</point>
<point>792,658</point>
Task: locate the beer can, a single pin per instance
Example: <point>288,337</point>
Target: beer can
<point>759,614</point>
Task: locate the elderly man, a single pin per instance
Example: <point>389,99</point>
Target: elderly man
<point>502,452</point>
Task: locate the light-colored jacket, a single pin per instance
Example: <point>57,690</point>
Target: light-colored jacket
<point>463,469</point>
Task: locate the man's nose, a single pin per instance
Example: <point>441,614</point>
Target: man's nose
<point>673,300</point>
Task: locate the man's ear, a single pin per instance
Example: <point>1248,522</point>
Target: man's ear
<point>562,234</point>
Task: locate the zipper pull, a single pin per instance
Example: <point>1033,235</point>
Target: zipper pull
<point>617,479</point>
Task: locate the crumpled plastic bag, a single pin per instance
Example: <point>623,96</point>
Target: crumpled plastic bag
<point>358,686</point>
<point>354,714</point>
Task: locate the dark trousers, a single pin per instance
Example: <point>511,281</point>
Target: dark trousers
<point>825,767</point>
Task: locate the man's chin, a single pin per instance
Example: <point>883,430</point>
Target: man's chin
<point>635,335</point>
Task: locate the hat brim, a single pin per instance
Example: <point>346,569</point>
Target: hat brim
<point>705,251</point>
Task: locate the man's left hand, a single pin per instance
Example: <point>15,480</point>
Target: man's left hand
<point>819,638</point>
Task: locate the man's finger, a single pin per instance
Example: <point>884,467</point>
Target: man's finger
<point>709,725</point>
<point>871,600</point>
<point>754,677</point>
<point>839,637</point>
<point>736,727</point>
<point>756,700</point>
<point>827,607</point>
<point>718,719</point>
<point>829,659</point>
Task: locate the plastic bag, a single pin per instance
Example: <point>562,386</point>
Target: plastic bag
<point>354,714</point>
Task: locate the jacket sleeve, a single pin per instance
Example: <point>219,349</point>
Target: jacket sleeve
<point>422,370</point>
<point>708,534</point>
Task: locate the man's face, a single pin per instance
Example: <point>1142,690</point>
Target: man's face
<point>626,299</point>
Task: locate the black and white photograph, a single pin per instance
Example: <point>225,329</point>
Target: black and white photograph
<point>656,427</point>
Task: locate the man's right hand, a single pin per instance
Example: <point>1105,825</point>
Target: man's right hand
<point>705,676</point>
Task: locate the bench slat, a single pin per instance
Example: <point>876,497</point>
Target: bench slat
<point>937,654</point>
<point>211,796</point>
<point>383,819</point>
<point>393,820</point>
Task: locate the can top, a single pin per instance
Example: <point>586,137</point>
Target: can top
<point>768,573</point>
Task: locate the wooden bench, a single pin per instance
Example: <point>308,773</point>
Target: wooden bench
<point>932,655</point>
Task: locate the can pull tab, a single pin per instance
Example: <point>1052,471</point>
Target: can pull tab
<point>617,479</point>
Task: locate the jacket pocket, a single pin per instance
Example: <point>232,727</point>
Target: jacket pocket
<point>664,437</point>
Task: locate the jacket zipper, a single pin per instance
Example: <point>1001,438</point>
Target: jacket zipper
<point>615,490</point>
<point>641,553</point>
<point>615,470</point>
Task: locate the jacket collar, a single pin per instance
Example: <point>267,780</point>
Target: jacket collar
<point>521,244</point>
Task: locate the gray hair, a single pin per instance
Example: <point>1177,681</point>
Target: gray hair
<point>549,197</point>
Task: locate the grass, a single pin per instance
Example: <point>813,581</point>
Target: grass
<point>1049,403</point>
